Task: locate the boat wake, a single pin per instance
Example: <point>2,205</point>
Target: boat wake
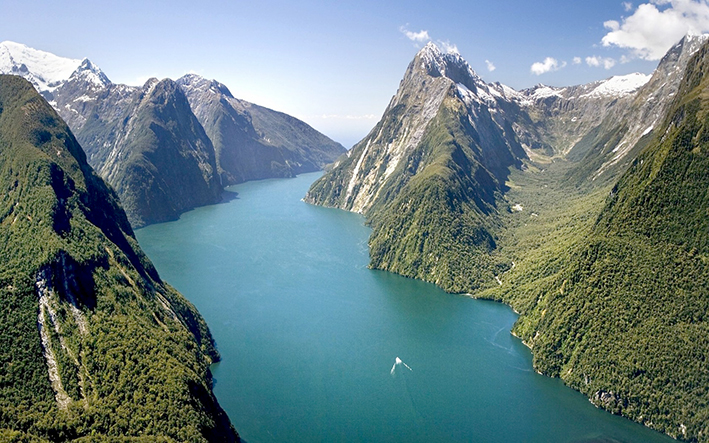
<point>398,362</point>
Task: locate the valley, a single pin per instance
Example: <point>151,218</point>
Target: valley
<point>579,207</point>
<point>584,208</point>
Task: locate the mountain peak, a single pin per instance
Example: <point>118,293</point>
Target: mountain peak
<point>44,70</point>
<point>435,62</point>
<point>197,82</point>
<point>90,73</point>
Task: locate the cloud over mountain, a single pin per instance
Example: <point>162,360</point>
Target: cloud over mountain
<point>549,64</point>
<point>657,25</point>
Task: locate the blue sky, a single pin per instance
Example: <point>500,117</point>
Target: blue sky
<point>336,64</point>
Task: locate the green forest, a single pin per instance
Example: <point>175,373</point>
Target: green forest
<point>94,346</point>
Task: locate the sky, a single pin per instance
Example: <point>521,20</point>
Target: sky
<point>336,64</point>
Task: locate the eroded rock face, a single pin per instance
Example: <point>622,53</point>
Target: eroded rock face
<point>150,144</point>
<point>252,142</point>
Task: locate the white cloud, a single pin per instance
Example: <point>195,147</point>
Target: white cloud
<point>417,37</point>
<point>448,47</point>
<point>657,25</point>
<point>548,65</point>
<point>596,61</point>
<point>577,60</point>
<point>628,6</point>
<point>490,66</point>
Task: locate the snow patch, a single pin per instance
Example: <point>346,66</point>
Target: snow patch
<point>83,98</point>
<point>543,92</point>
<point>44,70</point>
<point>619,85</point>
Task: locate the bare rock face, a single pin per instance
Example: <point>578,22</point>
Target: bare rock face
<point>252,142</point>
<point>162,153</point>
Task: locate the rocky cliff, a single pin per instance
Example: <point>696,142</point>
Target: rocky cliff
<point>429,175</point>
<point>94,343</point>
<point>253,142</point>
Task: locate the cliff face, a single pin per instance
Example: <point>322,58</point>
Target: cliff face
<point>146,143</point>
<point>94,343</point>
<point>429,174</point>
<point>253,142</point>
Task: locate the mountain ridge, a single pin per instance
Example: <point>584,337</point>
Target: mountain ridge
<point>94,343</point>
<point>253,142</point>
<point>523,219</point>
<point>259,143</point>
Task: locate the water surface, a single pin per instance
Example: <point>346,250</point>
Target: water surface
<point>309,336</point>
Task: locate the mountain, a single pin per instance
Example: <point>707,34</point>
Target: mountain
<point>144,141</point>
<point>626,322</point>
<point>430,174</point>
<point>167,147</point>
<point>253,142</point>
<point>44,70</point>
<point>561,117</point>
<point>147,144</point>
<point>94,343</point>
<point>582,207</point>
<point>608,149</point>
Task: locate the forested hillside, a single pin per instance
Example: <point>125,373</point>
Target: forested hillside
<point>93,343</point>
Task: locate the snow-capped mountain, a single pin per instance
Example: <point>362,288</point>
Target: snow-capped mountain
<point>44,70</point>
<point>147,141</point>
<point>444,147</point>
<point>438,156</point>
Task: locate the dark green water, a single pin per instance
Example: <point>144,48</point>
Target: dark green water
<point>309,335</point>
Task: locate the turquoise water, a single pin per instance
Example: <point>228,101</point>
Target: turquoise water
<point>309,336</point>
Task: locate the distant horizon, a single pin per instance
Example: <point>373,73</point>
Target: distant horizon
<point>336,66</point>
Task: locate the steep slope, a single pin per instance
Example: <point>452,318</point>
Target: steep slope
<point>153,149</point>
<point>149,146</point>
<point>609,148</point>
<point>428,176</point>
<point>626,320</point>
<point>253,142</point>
<point>94,343</point>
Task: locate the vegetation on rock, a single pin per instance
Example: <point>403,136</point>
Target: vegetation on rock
<point>94,345</point>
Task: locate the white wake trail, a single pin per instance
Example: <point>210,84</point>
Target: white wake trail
<point>397,361</point>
